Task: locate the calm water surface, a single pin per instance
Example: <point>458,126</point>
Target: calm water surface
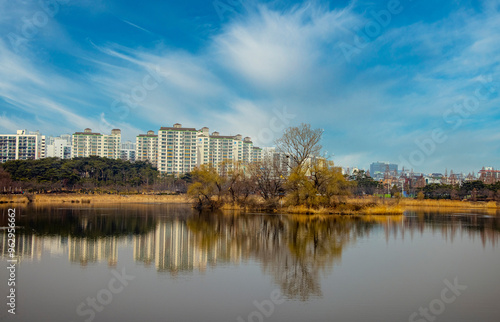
<point>170,263</point>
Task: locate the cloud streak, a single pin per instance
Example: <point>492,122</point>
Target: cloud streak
<point>372,108</point>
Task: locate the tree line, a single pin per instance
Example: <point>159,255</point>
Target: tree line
<point>472,190</point>
<point>85,174</point>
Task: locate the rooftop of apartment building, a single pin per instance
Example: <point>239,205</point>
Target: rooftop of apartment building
<point>88,131</point>
<point>150,134</point>
<point>177,127</point>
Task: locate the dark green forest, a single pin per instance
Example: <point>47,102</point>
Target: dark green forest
<point>84,174</point>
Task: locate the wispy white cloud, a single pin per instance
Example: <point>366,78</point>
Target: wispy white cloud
<point>396,89</point>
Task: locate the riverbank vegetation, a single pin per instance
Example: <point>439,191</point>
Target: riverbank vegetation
<point>86,175</point>
<point>299,179</point>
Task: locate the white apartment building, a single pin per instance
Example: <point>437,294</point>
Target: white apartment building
<point>225,148</point>
<point>256,154</point>
<point>177,149</point>
<point>58,148</point>
<point>88,143</point>
<point>233,148</point>
<point>22,146</point>
<point>203,147</point>
<point>146,147</point>
<point>247,150</point>
<point>128,151</point>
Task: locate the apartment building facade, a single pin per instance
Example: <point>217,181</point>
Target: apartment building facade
<point>88,143</point>
<point>177,149</point>
<point>181,149</point>
<point>23,145</point>
<point>146,147</point>
<point>128,151</point>
<point>58,148</point>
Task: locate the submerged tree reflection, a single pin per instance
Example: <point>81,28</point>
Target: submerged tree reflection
<point>296,251</point>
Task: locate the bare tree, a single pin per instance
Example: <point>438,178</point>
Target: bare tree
<point>300,143</point>
<point>269,177</point>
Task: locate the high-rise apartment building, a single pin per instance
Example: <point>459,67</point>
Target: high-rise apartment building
<point>88,143</point>
<point>146,147</point>
<point>203,146</point>
<point>22,146</point>
<point>225,148</point>
<point>256,154</point>
<point>180,149</point>
<point>177,149</point>
<point>247,152</point>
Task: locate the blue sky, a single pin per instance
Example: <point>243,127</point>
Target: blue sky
<point>408,82</point>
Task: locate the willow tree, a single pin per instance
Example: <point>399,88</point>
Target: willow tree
<point>207,187</point>
<point>317,183</point>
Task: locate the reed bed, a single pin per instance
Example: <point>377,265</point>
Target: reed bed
<point>93,199</point>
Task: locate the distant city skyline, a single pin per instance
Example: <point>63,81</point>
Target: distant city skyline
<point>60,146</point>
<point>408,82</point>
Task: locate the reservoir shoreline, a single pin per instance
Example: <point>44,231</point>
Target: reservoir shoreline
<point>80,198</point>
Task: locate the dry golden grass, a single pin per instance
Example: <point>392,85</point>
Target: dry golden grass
<point>305,210</point>
<point>383,210</point>
<point>347,209</point>
<point>449,204</point>
<point>94,199</point>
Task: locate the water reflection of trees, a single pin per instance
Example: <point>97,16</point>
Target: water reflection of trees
<point>294,250</point>
<point>297,251</point>
<point>452,225</point>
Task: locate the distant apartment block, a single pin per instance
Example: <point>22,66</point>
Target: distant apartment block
<point>489,175</point>
<point>279,159</point>
<point>181,149</point>
<point>177,149</point>
<point>203,154</point>
<point>88,143</point>
<point>256,154</point>
<point>128,151</point>
<point>378,169</point>
<point>58,147</point>
<point>146,147</point>
<point>174,150</point>
<point>22,146</point>
<point>225,148</point>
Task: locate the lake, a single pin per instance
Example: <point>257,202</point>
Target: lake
<point>149,262</point>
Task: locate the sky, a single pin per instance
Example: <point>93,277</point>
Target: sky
<point>407,82</point>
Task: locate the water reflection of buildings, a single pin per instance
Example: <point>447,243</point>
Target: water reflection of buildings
<point>449,226</point>
<point>295,250</point>
<point>26,246</point>
<point>85,250</point>
<point>81,250</point>
<point>174,248</point>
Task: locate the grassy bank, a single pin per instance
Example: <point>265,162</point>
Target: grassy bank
<point>441,203</point>
<point>371,206</point>
<point>347,206</point>
<point>92,199</point>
